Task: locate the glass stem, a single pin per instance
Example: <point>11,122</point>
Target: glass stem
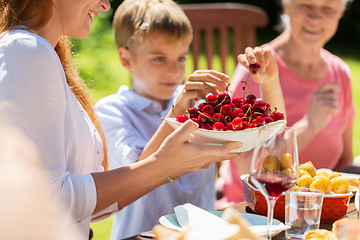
<point>270,213</point>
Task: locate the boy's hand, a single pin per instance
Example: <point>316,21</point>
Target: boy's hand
<point>197,86</point>
<point>268,72</point>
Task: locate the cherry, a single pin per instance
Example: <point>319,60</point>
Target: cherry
<point>268,119</point>
<point>208,109</point>
<point>259,106</point>
<point>204,117</point>
<point>259,121</point>
<point>228,127</point>
<point>212,99</point>
<point>236,112</point>
<point>238,101</point>
<point>182,118</point>
<point>237,123</point>
<point>201,105</point>
<point>226,110</point>
<point>218,126</point>
<point>277,116</point>
<point>195,120</point>
<point>193,112</point>
<point>251,99</point>
<point>254,67</point>
<point>224,98</point>
<point>218,117</point>
<point>206,126</point>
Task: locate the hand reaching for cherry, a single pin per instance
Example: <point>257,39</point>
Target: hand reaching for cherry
<point>262,64</point>
<point>323,106</point>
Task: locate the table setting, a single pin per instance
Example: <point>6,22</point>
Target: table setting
<point>283,199</point>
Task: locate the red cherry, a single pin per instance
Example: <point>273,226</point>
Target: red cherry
<point>268,119</point>
<point>251,99</point>
<point>193,112</point>
<point>218,117</point>
<point>259,106</point>
<point>254,67</point>
<point>218,126</point>
<point>226,110</point>
<point>246,108</point>
<point>195,120</point>
<point>206,126</point>
<point>201,105</point>
<point>259,121</point>
<point>237,123</point>
<point>204,117</point>
<point>277,116</point>
<point>236,112</point>
<point>208,109</point>
<point>212,99</point>
<point>245,125</point>
<point>224,98</point>
<point>238,101</point>
<point>182,118</point>
<point>228,127</point>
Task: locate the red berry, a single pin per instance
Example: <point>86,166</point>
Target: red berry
<point>251,99</point>
<point>259,106</point>
<point>259,121</point>
<point>204,117</point>
<point>218,126</point>
<point>195,120</point>
<point>254,67</point>
<point>268,119</point>
<point>237,123</point>
<point>277,116</point>
<point>218,117</point>
<point>226,110</point>
<point>212,99</point>
<point>201,105</point>
<point>193,112</point>
<point>245,125</point>
<point>224,98</point>
<point>246,108</point>
<point>208,109</point>
<point>228,127</point>
<point>238,101</point>
<point>206,126</point>
<point>236,112</point>
<point>182,118</point>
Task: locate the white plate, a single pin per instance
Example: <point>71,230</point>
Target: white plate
<point>258,223</point>
<point>247,136</point>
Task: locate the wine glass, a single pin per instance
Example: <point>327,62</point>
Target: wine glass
<point>274,167</point>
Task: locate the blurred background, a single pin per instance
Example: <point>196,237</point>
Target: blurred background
<point>98,63</point>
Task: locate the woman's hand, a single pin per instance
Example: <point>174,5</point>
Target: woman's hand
<point>323,106</point>
<point>197,86</point>
<point>268,71</point>
<point>180,157</point>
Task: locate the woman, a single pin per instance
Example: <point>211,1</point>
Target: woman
<point>42,94</point>
<point>316,87</point>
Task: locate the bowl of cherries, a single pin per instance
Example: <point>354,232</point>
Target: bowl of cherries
<point>222,119</point>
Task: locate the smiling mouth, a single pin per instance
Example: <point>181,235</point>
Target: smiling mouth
<point>91,14</point>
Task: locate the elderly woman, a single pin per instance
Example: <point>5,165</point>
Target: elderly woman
<point>316,86</point>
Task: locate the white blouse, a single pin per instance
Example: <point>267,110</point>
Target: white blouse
<point>35,97</point>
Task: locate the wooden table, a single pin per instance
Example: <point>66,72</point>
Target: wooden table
<point>242,207</point>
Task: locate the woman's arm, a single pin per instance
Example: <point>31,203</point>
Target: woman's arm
<point>346,158</point>
<point>175,157</point>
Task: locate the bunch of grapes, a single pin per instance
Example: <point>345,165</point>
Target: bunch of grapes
<point>221,113</point>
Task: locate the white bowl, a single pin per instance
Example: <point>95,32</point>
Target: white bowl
<point>247,136</point>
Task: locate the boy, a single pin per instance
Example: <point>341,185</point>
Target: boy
<point>153,38</point>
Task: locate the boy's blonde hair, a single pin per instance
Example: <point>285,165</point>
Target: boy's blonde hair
<point>137,20</point>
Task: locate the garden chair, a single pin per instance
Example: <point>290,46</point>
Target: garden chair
<point>239,20</point>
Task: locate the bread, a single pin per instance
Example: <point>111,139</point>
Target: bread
<point>319,234</point>
<point>347,228</point>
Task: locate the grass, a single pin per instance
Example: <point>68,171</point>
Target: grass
<point>100,62</point>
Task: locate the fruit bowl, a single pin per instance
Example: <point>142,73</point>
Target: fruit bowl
<point>334,205</point>
<point>246,136</point>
